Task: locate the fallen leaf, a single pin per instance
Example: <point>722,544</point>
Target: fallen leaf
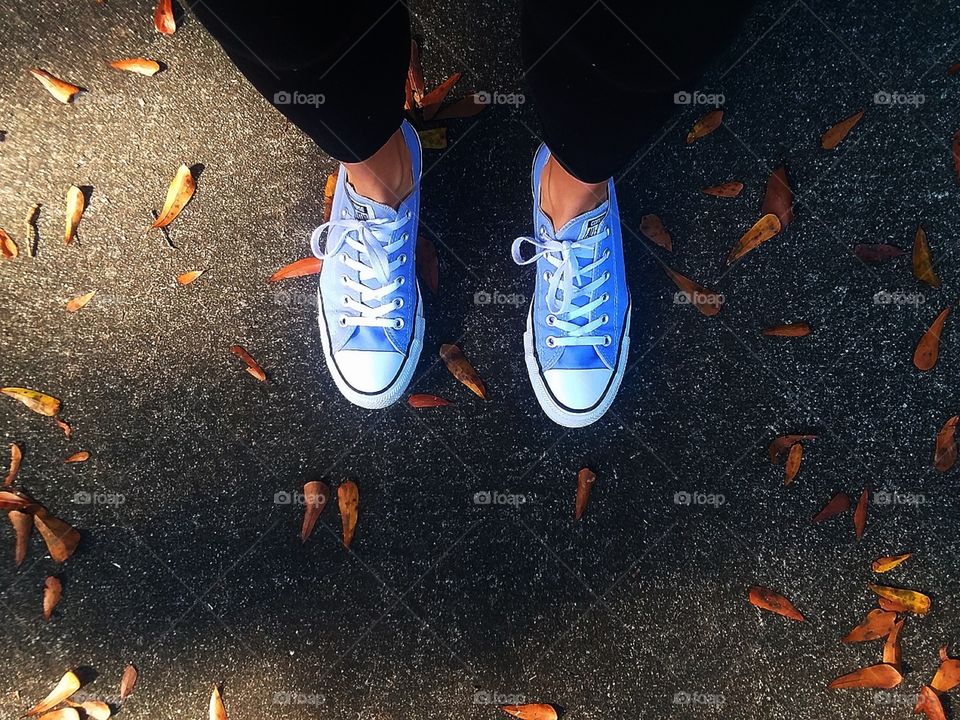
<point>37,401</point>
<point>428,265</point>
<point>299,268</point>
<point>838,504</point>
<point>765,228</point>
<point>8,248</point>
<point>433,138</point>
<point>329,189</point>
<point>878,624</point>
<point>922,262</point>
<point>67,686</point>
<point>929,704</point>
<point>60,537</point>
<point>462,370</point>
<point>652,227</point>
<point>892,605</point>
<point>945,452</point>
<point>80,301</point>
<point>32,233</point>
<point>178,195</point>
<point>725,190</point>
<point>880,676</point>
<point>188,277</point>
<point>415,74</point>
<point>778,197</point>
<point>463,108</point>
<point>705,300</point>
<point>93,709</point>
<point>75,207</point>
<point>860,513</point>
<point>431,102</point>
<point>217,710</point>
<point>15,500</point>
<point>252,367</point>
<point>928,349</point>
<point>585,481</point>
<point>767,599</point>
<point>78,457</point>
<point>948,674</point>
<point>60,89</point>
<point>835,135</point>
<point>794,458</point>
<point>163,19</point>
<point>891,648</point>
<point>425,400</point>
<point>348,497</point>
<point>67,713</point>
<point>67,430</point>
<point>315,496</point>
<point>781,444</point>
<point>797,329</point>
<point>52,590</point>
<point>705,125</point>
<point>876,254</point>
<point>140,66</point>
<point>915,601</point>
<point>887,563</point>
<point>16,455</point>
<point>22,527</point>
<point>531,711</point>
<point>128,682</point>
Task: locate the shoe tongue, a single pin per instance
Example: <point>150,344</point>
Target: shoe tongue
<point>586,225</point>
<point>366,209</point>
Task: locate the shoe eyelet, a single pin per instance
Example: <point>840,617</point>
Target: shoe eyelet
<point>605,297</point>
<point>546,276</point>
<point>551,320</point>
<point>346,299</point>
<point>402,258</point>
<point>343,279</point>
<point>605,319</point>
<point>401,280</point>
<point>606,254</point>
<point>409,215</point>
<point>343,321</point>
<point>398,303</point>
<point>398,324</point>
<point>607,341</point>
<point>606,276</point>
<point>404,237</point>
<point>343,257</point>
<point>343,213</point>
<point>551,341</point>
<point>542,231</point>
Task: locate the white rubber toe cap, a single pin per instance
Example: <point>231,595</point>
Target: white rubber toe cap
<point>578,389</point>
<point>368,371</point>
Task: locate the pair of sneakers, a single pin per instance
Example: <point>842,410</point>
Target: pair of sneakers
<point>371,310</point>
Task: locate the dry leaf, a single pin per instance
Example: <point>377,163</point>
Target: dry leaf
<point>878,624</point>
<point>163,19</point>
<point>945,452</point>
<point>835,135</point>
<point>140,66</point>
<point>188,277</point>
<point>178,195</point>
<point>914,601</point>
<point>8,248</point>
<point>415,74</point>
<point>705,300</point>
<point>838,504</point>
<point>531,711</point>
<point>585,481</point>
<point>433,139</point>
<point>432,100</point>
<point>348,497</point>
<point>794,458</point>
<point>880,676</point>
<point>948,674</point>
<point>52,590</point>
<point>60,89</point>
<point>80,301</point>
<point>860,513</point>
<point>67,713</point>
<point>652,227</point>
<point>22,527</point>
<point>767,599</point>
<point>217,710</point>
<point>67,686</point>
<point>929,704</point>
<point>32,233</point>
<point>928,349</point>
<point>797,329</point>
<point>37,401</point>
<point>252,367</point>
<point>887,563</point>
<point>725,190</point>
<point>764,229</point>
<point>75,207</point>
<point>60,537</point>
<point>15,500</point>
<point>78,457</point>
<point>93,709</point>
<point>922,262</point>
<point>67,430</point>
<point>781,444</point>
<point>128,682</point>
<point>16,455</point>
<point>298,268</point>
<point>892,605</point>
<point>315,497</point>
<point>425,400</point>
<point>705,125</point>
<point>876,254</point>
<point>778,197</point>
<point>329,188</point>
<point>462,370</point>
<point>891,648</point>
<point>428,265</point>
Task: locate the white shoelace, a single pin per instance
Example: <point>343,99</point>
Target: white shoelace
<point>565,256</point>
<point>375,241</point>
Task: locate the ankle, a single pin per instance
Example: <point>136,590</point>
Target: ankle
<point>564,197</point>
<point>387,175</point>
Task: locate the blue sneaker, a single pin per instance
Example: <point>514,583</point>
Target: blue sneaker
<point>370,308</point>
<point>578,325</point>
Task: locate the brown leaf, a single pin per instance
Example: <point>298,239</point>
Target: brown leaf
<point>348,497</point>
<point>929,704</point>
<point>67,686</point>
<point>415,74</point>
<point>891,648</point>
<point>15,500</point>
<point>878,624</point>
<point>705,125</point>
<point>462,370</point>
<point>80,301</point>
<point>432,100</point>
<point>892,605</point>
<point>922,262</point>
<point>93,709</point>
<point>32,233</point>
<point>585,481</point>
<point>67,713</point>
<point>765,228</point>
<point>179,192</point>
<point>52,590</point>
<point>67,430</point>
<point>781,444</point>
<point>163,19</point>
<point>725,190</point>
<point>652,227</point>
<point>188,277</point>
<point>299,268</point>
<point>797,329</point>
<point>860,513</point>
<point>315,496</point>
<point>128,682</point>
<point>794,458</point>
<point>428,265</point>
<point>16,455</point>
<point>887,563</point>
<point>217,710</point>
<point>78,457</point>
<point>433,138</point>
<point>838,504</point>
<point>705,300</point>
<point>531,711</point>
<point>835,135</point>
<point>140,66</point>
<point>76,203</point>
<point>37,401</point>
<point>463,108</point>
<point>880,676</point>
<point>329,189</point>
<point>60,89</point>
<point>928,349</point>
<point>948,674</point>
<point>8,248</point>
<point>915,601</point>
<point>252,367</point>
<point>425,400</point>
<point>767,599</point>
<point>778,197</point>
<point>22,527</point>
<point>945,452</point>
<point>60,537</point>
<point>876,254</point>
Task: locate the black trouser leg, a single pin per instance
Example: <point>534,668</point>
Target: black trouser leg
<point>602,74</point>
<point>335,69</point>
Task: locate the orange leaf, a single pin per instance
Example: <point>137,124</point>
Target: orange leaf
<point>767,599</point>
<point>179,192</point>
<point>348,497</point>
<point>415,74</point>
<point>887,563</point>
<point>67,430</point>
<point>531,711</point>
<point>163,19</point>
<point>948,674</point>
<point>15,500</point>
<point>22,527</point>
<point>16,455</point>
<point>878,624</point>
<point>8,248</point>
<point>67,713</point>
<point>928,349</point>
<point>922,262</point>
<point>128,682</point>
<point>61,539</point>
<point>778,198</point>
<point>252,367</point>
<point>52,590</point>
<point>315,496</point>
<point>585,481</point>
<point>67,686</point>
<point>329,188</point>
<point>929,704</point>
<point>652,227</point>
<point>299,268</point>
<point>725,190</point>
<point>876,254</point>
<point>705,125</point>
<point>764,229</point>
<point>793,463</point>
<point>945,452</point>
<point>432,100</point>
<point>140,66</point>
<point>780,445</point>
<point>462,370</point>
<point>75,207</point>
<point>78,457</point>
<point>37,401</point>
<point>188,277</point>
<point>217,711</point>
<point>891,648</point>
<point>425,400</point>
<point>428,265</point>
<point>892,605</point>
<point>705,300</point>
<point>92,709</point>
<point>838,504</point>
<point>60,89</point>
<point>915,602</point>
<point>881,676</point>
<point>835,135</point>
<point>798,329</point>
<point>860,514</point>
<point>80,301</point>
